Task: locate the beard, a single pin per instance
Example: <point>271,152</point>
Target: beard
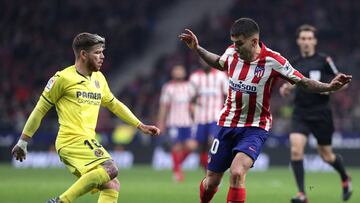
<point>246,56</point>
<point>92,66</point>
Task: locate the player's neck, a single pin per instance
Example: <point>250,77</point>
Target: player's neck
<point>255,54</point>
<point>82,69</point>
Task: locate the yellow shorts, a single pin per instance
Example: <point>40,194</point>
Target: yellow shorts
<point>83,156</point>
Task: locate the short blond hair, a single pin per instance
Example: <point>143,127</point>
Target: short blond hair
<point>84,41</point>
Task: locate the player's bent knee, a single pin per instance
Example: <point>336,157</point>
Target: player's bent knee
<point>237,174</point>
<point>113,172</point>
<point>111,169</point>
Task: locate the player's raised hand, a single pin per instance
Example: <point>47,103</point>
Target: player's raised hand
<point>149,129</point>
<point>190,39</point>
<point>18,153</point>
<point>339,81</point>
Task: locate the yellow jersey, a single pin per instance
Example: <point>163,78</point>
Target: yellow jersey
<point>77,99</point>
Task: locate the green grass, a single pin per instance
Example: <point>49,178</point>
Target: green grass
<point>144,185</point>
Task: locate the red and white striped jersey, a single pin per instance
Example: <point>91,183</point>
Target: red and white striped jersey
<point>178,96</point>
<point>210,89</point>
<point>250,86</point>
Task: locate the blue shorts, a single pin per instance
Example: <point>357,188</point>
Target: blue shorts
<point>230,141</point>
<point>179,134</point>
<point>206,131</point>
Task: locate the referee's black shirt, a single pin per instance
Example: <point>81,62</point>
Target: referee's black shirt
<point>317,67</point>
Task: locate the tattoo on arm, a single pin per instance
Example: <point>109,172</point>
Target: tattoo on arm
<point>313,85</point>
<point>210,58</point>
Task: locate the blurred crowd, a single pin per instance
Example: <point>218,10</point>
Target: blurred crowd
<point>36,37</point>
<point>278,20</point>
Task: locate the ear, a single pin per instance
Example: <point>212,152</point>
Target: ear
<point>83,54</point>
<point>255,42</point>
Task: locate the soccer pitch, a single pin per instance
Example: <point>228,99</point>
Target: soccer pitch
<point>141,184</point>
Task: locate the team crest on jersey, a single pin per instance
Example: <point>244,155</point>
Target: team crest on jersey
<point>259,71</point>
<point>99,153</point>
<point>287,66</point>
<point>97,84</point>
<point>50,84</point>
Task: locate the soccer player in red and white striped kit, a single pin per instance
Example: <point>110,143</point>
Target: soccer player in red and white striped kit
<point>246,119</point>
<point>174,116</point>
<point>210,87</point>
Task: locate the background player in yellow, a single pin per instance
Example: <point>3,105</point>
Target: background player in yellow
<point>77,92</point>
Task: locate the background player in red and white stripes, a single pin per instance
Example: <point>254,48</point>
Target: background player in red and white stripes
<point>210,87</point>
<point>246,117</point>
<point>174,115</point>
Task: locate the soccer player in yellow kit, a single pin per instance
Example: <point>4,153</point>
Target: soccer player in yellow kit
<point>77,93</point>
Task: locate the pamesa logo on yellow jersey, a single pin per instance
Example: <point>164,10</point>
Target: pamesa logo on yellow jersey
<point>93,98</point>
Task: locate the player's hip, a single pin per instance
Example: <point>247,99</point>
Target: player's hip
<point>83,155</point>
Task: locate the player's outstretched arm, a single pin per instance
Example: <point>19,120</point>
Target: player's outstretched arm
<point>193,43</point>
<point>124,113</point>
<point>19,151</point>
<point>315,86</point>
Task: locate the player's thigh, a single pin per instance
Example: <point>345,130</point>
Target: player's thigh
<point>221,150</point>
<point>250,142</point>
<point>179,134</point>
<point>82,156</point>
<point>323,130</point>
<point>297,140</point>
<point>300,125</point>
<point>201,133</point>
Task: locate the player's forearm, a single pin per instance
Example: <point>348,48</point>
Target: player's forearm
<point>123,112</point>
<point>313,85</point>
<point>210,58</point>
<point>25,137</point>
<point>35,118</point>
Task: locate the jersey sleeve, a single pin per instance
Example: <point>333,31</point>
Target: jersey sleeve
<point>285,69</point>
<point>223,61</point>
<point>54,89</point>
<point>122,112</point>
<point>36,116</point>
<point>118,108</point>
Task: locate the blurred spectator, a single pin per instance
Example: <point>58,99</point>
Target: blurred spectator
<point>34,41</point>
<point>277,19</point>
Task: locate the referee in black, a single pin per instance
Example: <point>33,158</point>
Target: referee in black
<point>312,113</point>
